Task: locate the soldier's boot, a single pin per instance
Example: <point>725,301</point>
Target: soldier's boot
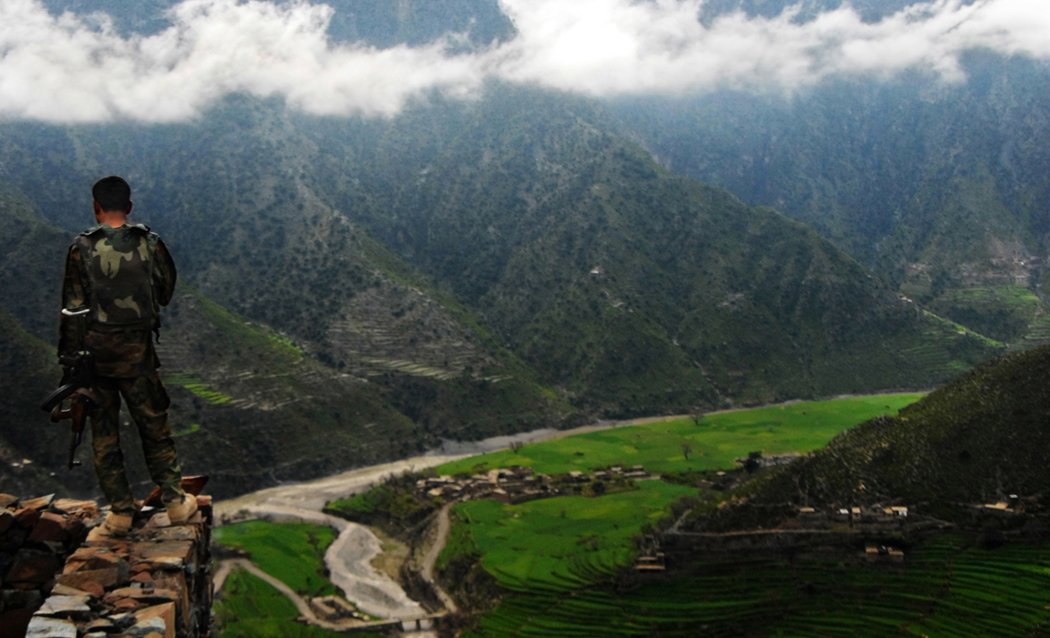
<point>116,524</point>
<point>180,511</point>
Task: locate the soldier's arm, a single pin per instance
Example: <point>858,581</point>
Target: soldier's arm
<point>73,296</point>
<point>164,274</point>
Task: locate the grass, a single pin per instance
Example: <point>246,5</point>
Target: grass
<point>263,338</point>
<point>251,608</point>
<point>946,589</point>
<point>715,443</point>
<point>562,542</point>
<point>190,429</point>
<point>193,383</point>
<point>293,553</point>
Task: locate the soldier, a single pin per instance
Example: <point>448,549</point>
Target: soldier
<point>123,273</point>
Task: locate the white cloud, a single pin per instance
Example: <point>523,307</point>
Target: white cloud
<point>69,68</point>
<point>607,47</point>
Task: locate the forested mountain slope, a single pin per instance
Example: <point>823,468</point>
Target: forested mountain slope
<point>940,187</point>
<point>249,406</point>
<point>977,440</point>
<point>631,290</point>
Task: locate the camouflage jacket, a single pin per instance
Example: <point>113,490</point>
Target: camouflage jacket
<point>124,275</point>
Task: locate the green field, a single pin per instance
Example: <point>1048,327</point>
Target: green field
<point>720,438</point>
<point>945,590</point>
<point>555,558</point>
<point>560,543</point>
<point>251,608</point>
<point>293,553</point>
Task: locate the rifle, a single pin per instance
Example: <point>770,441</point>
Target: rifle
<point>76,382</point>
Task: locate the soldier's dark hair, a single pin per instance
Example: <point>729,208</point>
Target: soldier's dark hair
<point>112,193</point>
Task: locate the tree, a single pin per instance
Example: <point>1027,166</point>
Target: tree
<point>686,449</point>
<point>515,446</point>
<point>696,416</point>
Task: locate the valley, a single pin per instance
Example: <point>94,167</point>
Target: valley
<point>532,318</point>
<point>609,521</point>
<point>565,565</point>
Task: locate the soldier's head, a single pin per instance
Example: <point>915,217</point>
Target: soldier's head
<point>112,194</point>
<point>112,197</point>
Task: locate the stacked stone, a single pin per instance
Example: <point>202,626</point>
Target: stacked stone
<point>155,583</point>
<point>36,536</point>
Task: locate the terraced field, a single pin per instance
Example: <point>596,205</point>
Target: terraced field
<point>559,561</point>
<point>558,544</point>
<point>945,589</point>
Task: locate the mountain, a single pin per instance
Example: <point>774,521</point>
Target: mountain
<point>939,187</point>
<point>605,271</point>
<point>977,440</point>
<point>567,256</point>
<point>249,407</point>
<point>481,266</point>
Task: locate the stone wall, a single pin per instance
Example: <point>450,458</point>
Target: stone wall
<point>66,580</point>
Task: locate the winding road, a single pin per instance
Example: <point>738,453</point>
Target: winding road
<point>349,557</point>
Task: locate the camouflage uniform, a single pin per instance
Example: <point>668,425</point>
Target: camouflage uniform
<point>124,274</point>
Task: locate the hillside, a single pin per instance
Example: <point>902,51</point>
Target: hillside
<point>938,187</point>
<point>976,440</point>
<point>516,241</point>
<point>641,291</point>
<point>250,407</point>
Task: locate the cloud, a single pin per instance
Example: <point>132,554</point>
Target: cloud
<point>78,69</point>
<point>609,47</point>
<point>74,69</point>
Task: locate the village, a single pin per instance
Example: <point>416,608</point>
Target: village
<point>519,484</point>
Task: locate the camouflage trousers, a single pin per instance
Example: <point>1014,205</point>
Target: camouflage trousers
<point>147,402</point>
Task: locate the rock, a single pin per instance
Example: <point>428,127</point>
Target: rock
<point>7,519</point>
<point>27,517</point>
<point>95,589</point>
<point>39,503</point>
<point>123,620</point>
<point>126,604</point>
<point>13,622</point>
<point>88,509</point>
<point>169,556</point>
<point>102,624</point>
<point>159,619</point>
<point>21,598</point>
<point>33,567</point>
<point>142,577</point>
<point>150,594</point>
<point>50,527</point>
<point>6,500</point>
<point>43,627</point>
<point>75,607</point>
<point>96,557</point>
<point>64,590</point>
<point>180,533</point>
<point>103,578</point>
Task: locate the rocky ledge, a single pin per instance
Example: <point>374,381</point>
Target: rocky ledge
<point>66,580</point>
